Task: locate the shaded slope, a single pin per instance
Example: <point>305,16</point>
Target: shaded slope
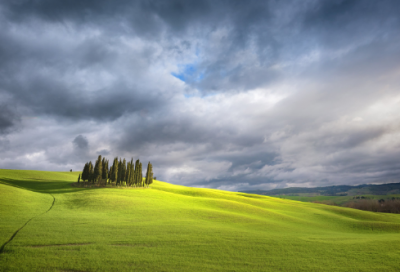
<point>39,181</point>
<point>17,207</point>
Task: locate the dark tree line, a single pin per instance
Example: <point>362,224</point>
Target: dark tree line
<point>120,173</point>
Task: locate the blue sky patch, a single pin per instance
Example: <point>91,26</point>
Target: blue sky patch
<point>189,72</point>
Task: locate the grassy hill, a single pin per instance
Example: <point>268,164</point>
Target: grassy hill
<point>341,195</point>
<point>338,190</point>
<point>176,228</point>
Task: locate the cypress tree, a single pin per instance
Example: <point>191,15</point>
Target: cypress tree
<point>114,174</point>
<point>116,171</point>
<point>91,174</point>
<point>119,171</point>
<point>103,162</point>
<point>98,169</point>
<point>147,179</point>
<point>132,173</point>
<point>79,178</point>
<point>149,175</point>
<point>128,174</point>
<point>110,173</point>
<point>85,172</point>
<point>123,171</point>
<point>140,175</point>
<point>137,173</point>
<point>95,170</point>
<point>105,169</point>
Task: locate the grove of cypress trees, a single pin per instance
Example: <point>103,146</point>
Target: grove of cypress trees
<point>121,171</point>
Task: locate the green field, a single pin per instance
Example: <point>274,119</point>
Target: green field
<point>176,228</point>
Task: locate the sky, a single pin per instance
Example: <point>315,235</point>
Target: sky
<point>233,95</point>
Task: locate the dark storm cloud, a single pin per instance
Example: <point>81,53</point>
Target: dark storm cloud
<point>48,96</point>
<point>267,29</point>
<point>81,142</point>
<point>8,119</point>
<point>227,94</point>
<point>43,77</point>
<point>150,19</point>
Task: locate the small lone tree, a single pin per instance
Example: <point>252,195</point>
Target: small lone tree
<point>79,178</point>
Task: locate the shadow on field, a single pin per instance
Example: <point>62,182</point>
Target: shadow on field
<point>44,186</point>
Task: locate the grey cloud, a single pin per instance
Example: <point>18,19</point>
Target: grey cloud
<point>4,145</point>
<point>81,142</point>
<point>103,152</point>
<point>8,119</point>
<point>47,82</point>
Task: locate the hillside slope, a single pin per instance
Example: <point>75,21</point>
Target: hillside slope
<point>169,228</point>
<point>338,190</point>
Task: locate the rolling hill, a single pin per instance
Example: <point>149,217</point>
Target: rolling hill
<point>48,225</point>
<point>338,190</point>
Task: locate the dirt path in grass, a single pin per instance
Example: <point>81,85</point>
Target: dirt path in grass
<point>15,233</point>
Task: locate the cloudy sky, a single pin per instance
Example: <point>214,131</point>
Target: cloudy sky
<point>234,95</point>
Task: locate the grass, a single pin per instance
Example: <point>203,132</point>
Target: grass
<point>169,228</point>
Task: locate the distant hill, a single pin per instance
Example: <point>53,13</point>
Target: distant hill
<point>340,190</point>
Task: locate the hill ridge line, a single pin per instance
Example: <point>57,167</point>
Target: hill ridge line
<point>15,233</point>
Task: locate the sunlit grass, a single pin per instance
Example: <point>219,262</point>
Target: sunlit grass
<point>169,228</point>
